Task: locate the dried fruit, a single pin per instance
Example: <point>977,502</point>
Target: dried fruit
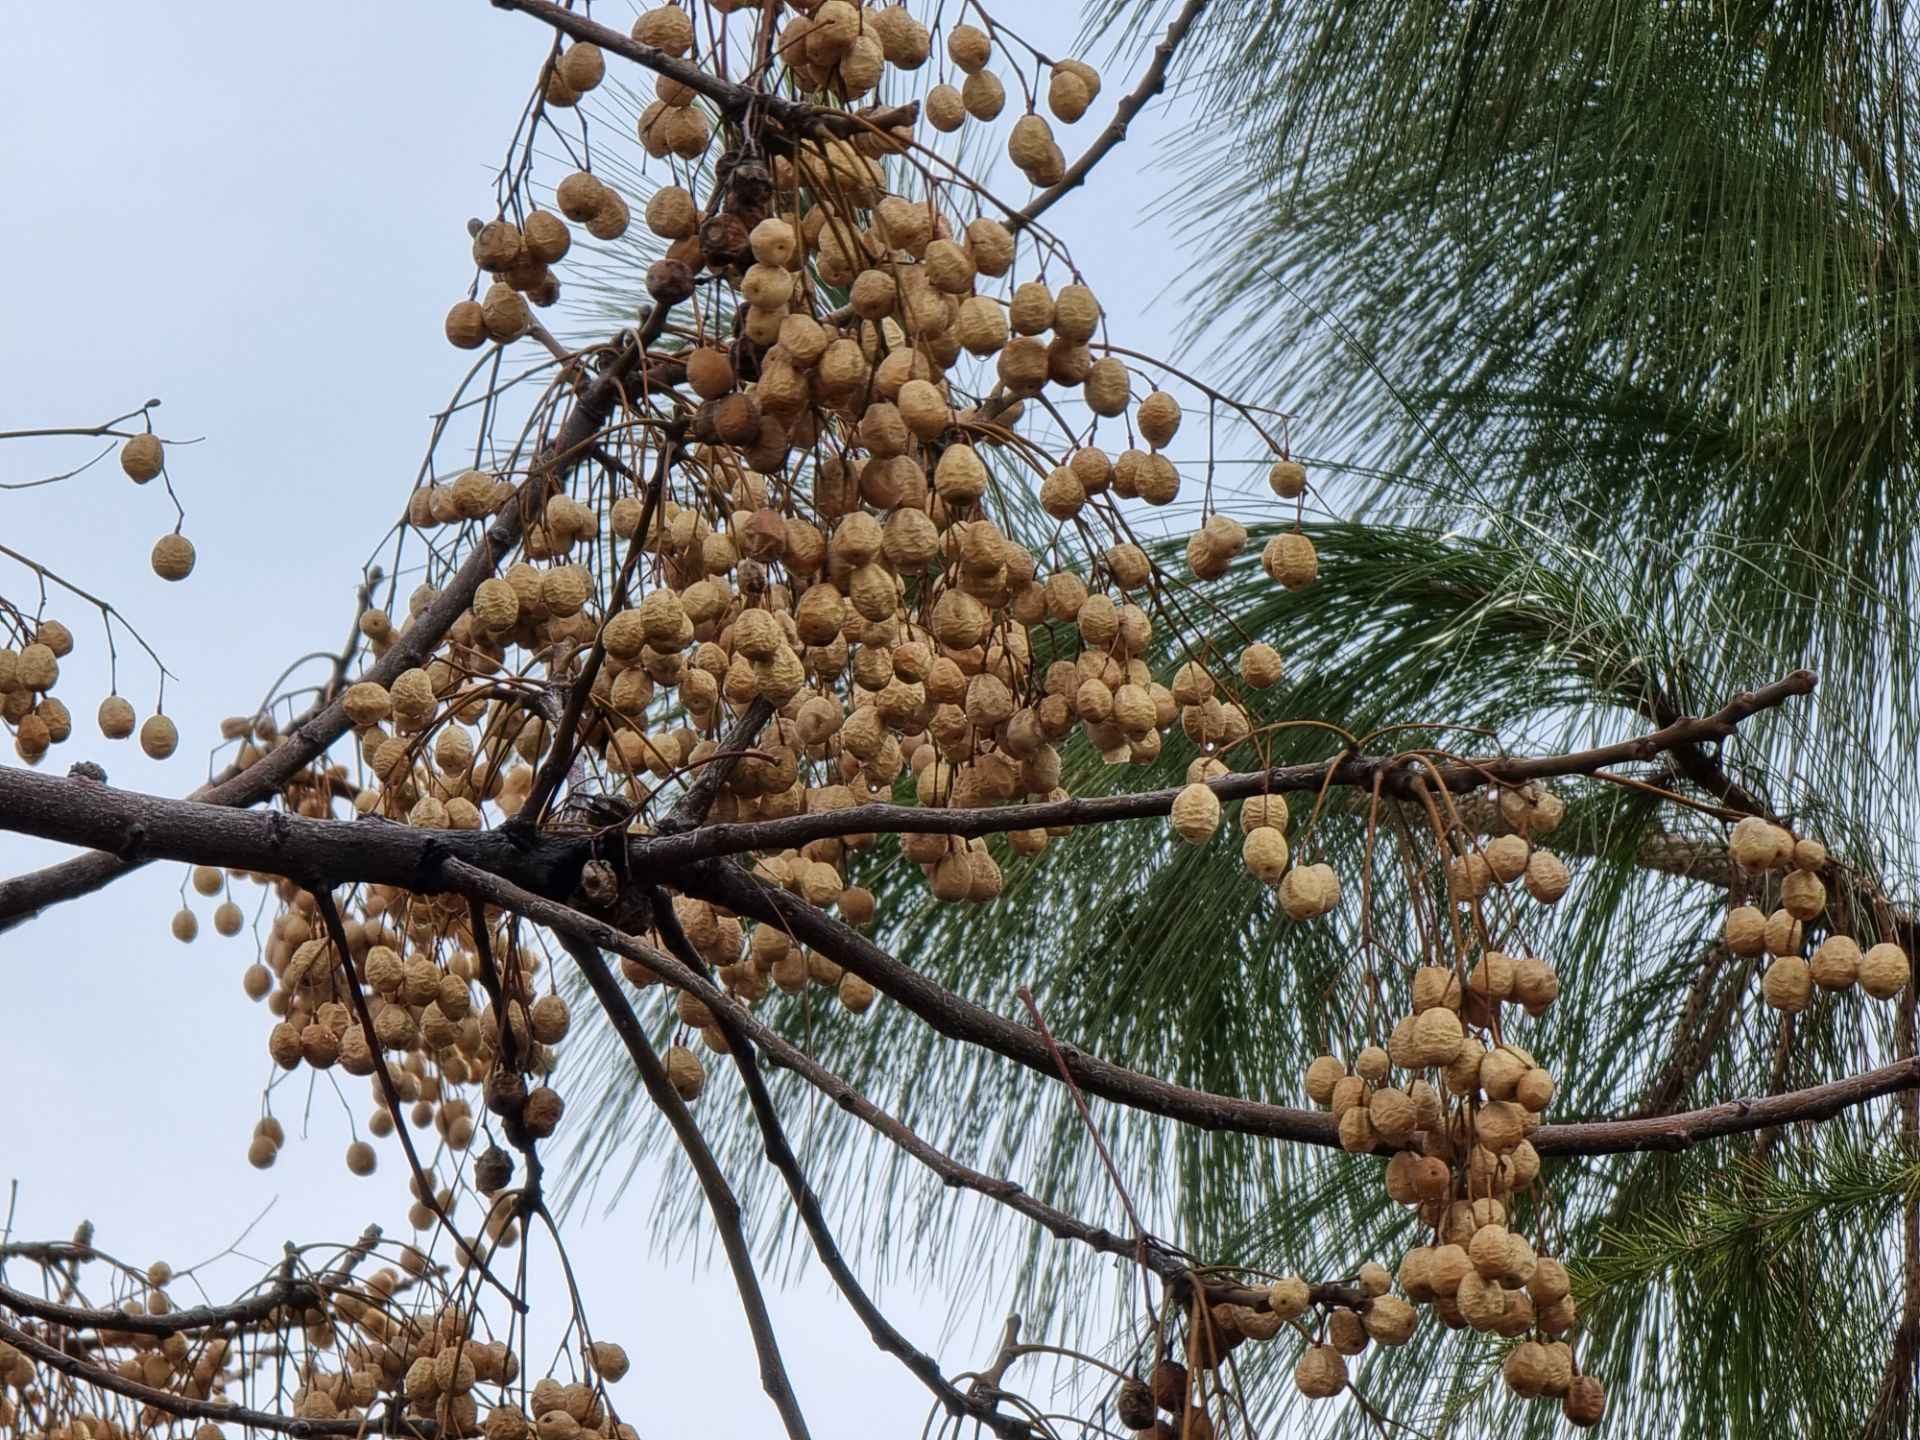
<point>1585,1401</point>
<point>1320,1373</point>
<point>1291,559</point>
<point>1884,971</point>
<point>1788,985</point>
<point>1309,891</point>
<point>1758,845</point>
<point>158,737</point>
<point>173,557</point>
<point>116,718</point>
<point>142,457</point>
<point>1196,814</point>
<point>1836,964</point>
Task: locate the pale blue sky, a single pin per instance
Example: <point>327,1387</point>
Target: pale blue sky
<point>256,212</point>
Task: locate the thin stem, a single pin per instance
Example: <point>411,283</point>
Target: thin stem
<point>721,1203</point>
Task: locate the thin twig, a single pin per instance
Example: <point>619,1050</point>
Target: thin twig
<point>721,1203</point>
<point>1151,83</point>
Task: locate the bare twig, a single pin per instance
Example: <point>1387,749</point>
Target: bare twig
<point>423,1182</point>
<point>721,1203</point>
<point>732,100</point>
<point>780,1155</point>
<point>560,755</point>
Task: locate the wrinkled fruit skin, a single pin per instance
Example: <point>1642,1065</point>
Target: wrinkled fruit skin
<point>1135,1405</point>
<point>1170,1386</point>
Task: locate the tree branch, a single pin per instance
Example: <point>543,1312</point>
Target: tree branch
<point>205,830</point>
<point>249,1311</point>
<point>961,1019</point>
<point>142,827</point>
<point>692,808</point>
<point>1171,1265</point>
<point>731,99</point>
<point>559,757</point>
<point>24,895</point>
<point>137,828</point>
<point>1730,1117</point>
<point>1151,83</point>
<point>563,919</point>
<point>1396,774</point>
<point>720,1198</point>
<point>337,933</point>
<point>100,1377</point>
<point>780,1155</point>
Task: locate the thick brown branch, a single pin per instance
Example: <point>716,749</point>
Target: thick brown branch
<point>203,830</point>
<point>151,827</point>
<point>195,831</point>
<point>85,1372</point>
<point>249,1311</point>
<point>25,894</point>
<point>732,99</point>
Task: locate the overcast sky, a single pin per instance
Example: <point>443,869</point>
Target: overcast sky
<point>256,213</point>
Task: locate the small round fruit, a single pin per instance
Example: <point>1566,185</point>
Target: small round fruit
<point>466,325</point>
<point>1758,845</point>
<point>1789,984</point>
<point>141,457</point>
<point>1884,971</point>
<point>1288,1297</point>
<point>1321,1373</point>
<point>173,557</point>
<point>116,717</point>
<point>1196,814</point>
<point>1291,559</point>
<point>609,1360</point>
<point>1264,852</point>
<point>158,737</point>
<point>686,1072</point>
<point>1584,1402</point>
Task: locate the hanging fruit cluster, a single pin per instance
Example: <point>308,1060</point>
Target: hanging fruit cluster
<point>31,649</point>
<point>1761,851</point>
<point>348,1347</point>
<point>810,505</point>
<point>863,528</point>
<point>1452,1097</point>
